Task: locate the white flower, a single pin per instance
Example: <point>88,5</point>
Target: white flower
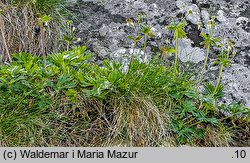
<point>45,24</point>
<point>79,39</point>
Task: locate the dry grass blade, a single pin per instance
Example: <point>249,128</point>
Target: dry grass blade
<point>6,57</point>
<point>20,33</point>
<point>137,122</point>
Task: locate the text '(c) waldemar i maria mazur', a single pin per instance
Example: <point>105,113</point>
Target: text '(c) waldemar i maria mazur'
<point>78,154</point>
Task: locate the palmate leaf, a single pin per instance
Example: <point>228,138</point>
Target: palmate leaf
<point>135,39</point>
<point>131,37</point>
<point>44,102</point>
<point>216,62</point>
<point>147,31</point>
<point>189,106</point>
<point>73,57</point>
<point>180,33</point>
<point>225,62</point>
<point>185,132</point>
<point>46,18</point>
<point>209,40</point>
<point>209,90</point>
<point>215,40</point>
<point>204,36</point>
<point>71,93</point>
<point>171,27</point>
<point>178,28</point>
<point>191,94</point>
<point>111,65</point>
<point>201,116</point>
<point>238,110</point>
<point>223,59</point>
<point>213,121</point>
<point>28,64</point>
<point>150,34</point>
<point>167,50</point>
<point>182,25</point>
<point>68,37</point>
<point>206,41</point>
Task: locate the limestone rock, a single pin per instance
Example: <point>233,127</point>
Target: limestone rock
<point>102,23</point>
<point>187,53</point>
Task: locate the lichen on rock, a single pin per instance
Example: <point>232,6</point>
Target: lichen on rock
<point>103,24</point>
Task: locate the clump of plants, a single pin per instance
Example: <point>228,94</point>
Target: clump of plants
<point>198,116</point>
<point>143,33</point>
<point>73,101</point>
<point>65,99</point>
<point>75,97</point>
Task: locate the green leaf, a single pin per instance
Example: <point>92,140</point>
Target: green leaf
<point>135,39</point>
<point>131,37</point>
<point>45,18</point>
<point>189,106</point>
<point>138,38</point>
<point>209,88</point>
<point>71,93</point>
<point>167,50</point>
<point>171,50</point>
<point>67,38</point>
<point>182,25</point>
<point>114,76</point>
<point>216,62</point>
<point>79,50</point>
<point>219,91</point>
<point>65,82</point>
<point>204,36</point>
<point>150,34</point>
<point>28,64</point>
<point>238,110</point>
<point>213,121</point>
<point>171,27</point>
<point>44,102</point>
<point>179,33</point>
<point>191,94</point>
<point>145,30</point>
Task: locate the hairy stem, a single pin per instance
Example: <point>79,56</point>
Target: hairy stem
<point>204,66</point>
<point>176,55</point>
<point>145,45</point>
<point>219,78</point>
<point>68,45</point>
<point>43,50</point>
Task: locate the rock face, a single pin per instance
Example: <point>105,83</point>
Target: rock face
<point>237,84</point>
<point>102,23</point>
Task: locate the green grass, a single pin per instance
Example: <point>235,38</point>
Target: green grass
<point>74,102</point>
<point>41,6</point>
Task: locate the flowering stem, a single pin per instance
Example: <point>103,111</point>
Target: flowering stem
<point>43,50</point>
<point>145,45</point>
<point>176,55</point>
<point>219,78</point>
<point>205,65</point>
